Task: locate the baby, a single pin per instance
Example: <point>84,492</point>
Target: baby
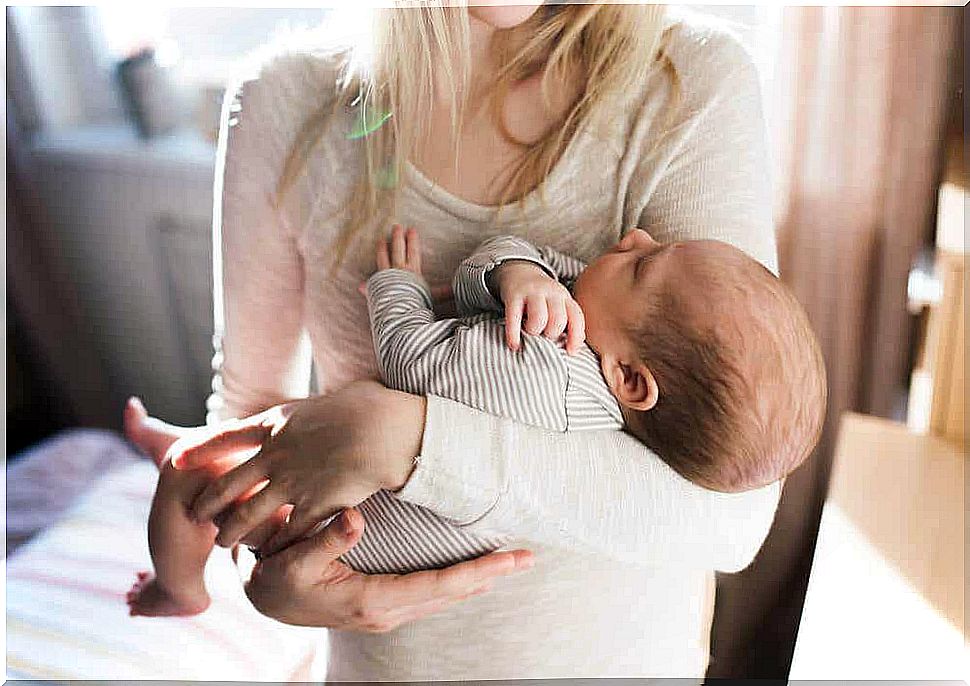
<point>694,348</point>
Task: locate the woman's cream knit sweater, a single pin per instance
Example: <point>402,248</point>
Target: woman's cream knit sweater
<point>626,548</point>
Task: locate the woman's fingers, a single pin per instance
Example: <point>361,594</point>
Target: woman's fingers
<point>258,537</point>
<point>454,581</point>
<point>398,599</point>
<point>212,443</point>
<point>536,315</point>
<point>513,323</point>
<point>323,548</point>
<point>576,328</point>
<point>300,523</point>
<point>413,250</point>
<point>223,491</point>
<point>248,515</point>
<point>383,256</point>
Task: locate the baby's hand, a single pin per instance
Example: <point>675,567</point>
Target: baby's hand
<point>404,253</point>
<point>547,306</point>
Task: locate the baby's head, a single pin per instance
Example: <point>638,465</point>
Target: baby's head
<point>710,356</point>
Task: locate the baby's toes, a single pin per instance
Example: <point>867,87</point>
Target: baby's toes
<point>142,579</point>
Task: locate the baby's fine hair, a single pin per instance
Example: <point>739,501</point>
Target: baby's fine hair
<point>742,395</point>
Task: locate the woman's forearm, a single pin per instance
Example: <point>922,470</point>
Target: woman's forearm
<point>401,427</point>
<point>262,356</point>
<point>592,492</point>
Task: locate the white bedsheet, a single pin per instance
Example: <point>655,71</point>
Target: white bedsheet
<point>67,617</point>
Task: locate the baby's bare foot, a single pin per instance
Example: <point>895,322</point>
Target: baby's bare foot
<point>152,435</point>
<point>147,598</point>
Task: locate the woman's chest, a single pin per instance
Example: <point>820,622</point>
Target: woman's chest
<point>477,169</point>
<point>576,213</point>
<point>448,235</point>
<point>478,161</point>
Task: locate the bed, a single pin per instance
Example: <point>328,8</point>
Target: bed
<point>76,518</point>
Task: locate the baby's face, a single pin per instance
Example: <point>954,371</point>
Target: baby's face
<point>614,289</point>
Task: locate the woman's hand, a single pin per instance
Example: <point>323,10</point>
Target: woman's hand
<point>306,585</point>
<point>320,454</point>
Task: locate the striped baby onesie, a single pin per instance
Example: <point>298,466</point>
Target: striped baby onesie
<point>466,359</point>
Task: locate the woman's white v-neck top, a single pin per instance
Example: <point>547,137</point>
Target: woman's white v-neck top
<point>625,548</point>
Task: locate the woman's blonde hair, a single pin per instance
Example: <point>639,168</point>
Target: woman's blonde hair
<point>389,80</point>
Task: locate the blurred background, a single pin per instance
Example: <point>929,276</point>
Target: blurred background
<point>111,120</point>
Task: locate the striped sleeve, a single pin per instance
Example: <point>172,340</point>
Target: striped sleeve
<point>463,359</point>
<point>566,268</point>
<point>403,325</point>
<point>470,283</point>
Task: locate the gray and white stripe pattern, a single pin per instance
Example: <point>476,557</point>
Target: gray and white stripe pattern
<point>467,360</point>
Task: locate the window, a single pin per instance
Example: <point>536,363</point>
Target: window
<point>71,52</point>
<point>199,44</point>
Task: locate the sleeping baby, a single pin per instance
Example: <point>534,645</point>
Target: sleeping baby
<point>692,347</point>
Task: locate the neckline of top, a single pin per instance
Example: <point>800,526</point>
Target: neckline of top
<point>460,207</point>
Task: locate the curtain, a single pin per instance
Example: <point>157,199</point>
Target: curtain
<point>859,98</point>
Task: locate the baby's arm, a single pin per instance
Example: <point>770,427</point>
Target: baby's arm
<point>509,272</point>
<point>402,319</point>
<point>566,267</point>
<point>471,283</point>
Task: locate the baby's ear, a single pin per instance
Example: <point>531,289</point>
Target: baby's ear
<point>633,385</point>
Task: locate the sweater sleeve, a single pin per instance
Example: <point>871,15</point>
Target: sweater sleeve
<point>715,182</point>
<point>604,493</point>
<point>262,354</point>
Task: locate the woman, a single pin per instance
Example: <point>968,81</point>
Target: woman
<point>647,120</point>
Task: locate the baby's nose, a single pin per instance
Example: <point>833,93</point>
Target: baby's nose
<point>634,238</point>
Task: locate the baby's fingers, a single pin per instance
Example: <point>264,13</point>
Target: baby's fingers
<point>576,328</point>
<point>557,319</point>
<point>398,247</point>
<point>537,314</point>
<point>383,257</point>
<point>513,323</point>
<point>413,250</point>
